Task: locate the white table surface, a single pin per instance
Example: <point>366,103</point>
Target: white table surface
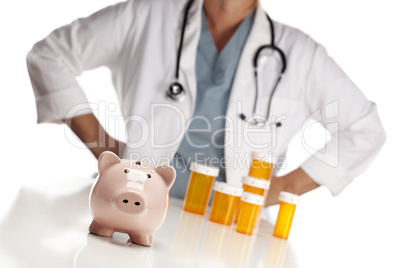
<point>46,225</point>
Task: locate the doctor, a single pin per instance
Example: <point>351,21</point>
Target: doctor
<point>190,83</point>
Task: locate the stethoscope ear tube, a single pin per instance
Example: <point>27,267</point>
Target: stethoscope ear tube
<point>258,123</point>
<point>176,90</point>
<point>274,48</point>
<point>183,29</point>
<point>255,66</point>
<point>282,56</point>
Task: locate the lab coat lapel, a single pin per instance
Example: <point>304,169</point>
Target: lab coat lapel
<point>242,100</point>
<point>166,116</point>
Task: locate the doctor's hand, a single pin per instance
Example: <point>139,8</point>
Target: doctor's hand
<point>94,136</point>
<point>296,182</point>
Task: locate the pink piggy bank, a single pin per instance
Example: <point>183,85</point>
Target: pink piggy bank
<point>132,199</point>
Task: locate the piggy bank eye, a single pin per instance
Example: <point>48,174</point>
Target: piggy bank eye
<point>138,163</point>
<point>126,170</point>
<point>148,176</point>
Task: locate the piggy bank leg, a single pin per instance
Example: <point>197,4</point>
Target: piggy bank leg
<point>145,240</point>
<point>99,229</point>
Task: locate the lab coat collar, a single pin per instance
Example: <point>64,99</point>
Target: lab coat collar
<point>242,89</point>
<point>242,94</point>
<point>260,34</point>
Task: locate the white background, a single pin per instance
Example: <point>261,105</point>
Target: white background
<point>361,225</point>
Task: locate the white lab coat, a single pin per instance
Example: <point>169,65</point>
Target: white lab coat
<point>138,41</point>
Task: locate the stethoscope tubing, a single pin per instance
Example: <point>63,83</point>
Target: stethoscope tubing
<point>183,29</point>
<point>176,90</point>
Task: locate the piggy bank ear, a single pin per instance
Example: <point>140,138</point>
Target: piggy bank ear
<point>107,159</point>
<point>168,174</point>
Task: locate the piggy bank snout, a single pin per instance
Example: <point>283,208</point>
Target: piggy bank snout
<point>130,202</point>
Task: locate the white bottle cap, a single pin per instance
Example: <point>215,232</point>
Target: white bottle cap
<point>225,188</point>
<point>289,198</point>
<point>257,183</point>
<point>252,198</point>
<point>203,169</point>
<point>263,156</point>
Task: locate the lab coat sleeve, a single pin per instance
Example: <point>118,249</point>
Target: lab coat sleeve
<point>357,135</point>
<point>56,61</point>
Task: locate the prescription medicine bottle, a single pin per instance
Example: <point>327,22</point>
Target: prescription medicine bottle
<point>224,203</point>
<point>254,186</point>
<point>287,208</point>
<point>199,188</point>
<point>261,165</point>
<point>249,210</point>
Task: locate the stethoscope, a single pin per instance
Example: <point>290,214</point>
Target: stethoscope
<point>176,91</point>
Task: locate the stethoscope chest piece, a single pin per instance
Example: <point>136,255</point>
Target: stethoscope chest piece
<point>175,91</point>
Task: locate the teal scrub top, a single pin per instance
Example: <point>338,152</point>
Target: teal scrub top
<point>215,73</point>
